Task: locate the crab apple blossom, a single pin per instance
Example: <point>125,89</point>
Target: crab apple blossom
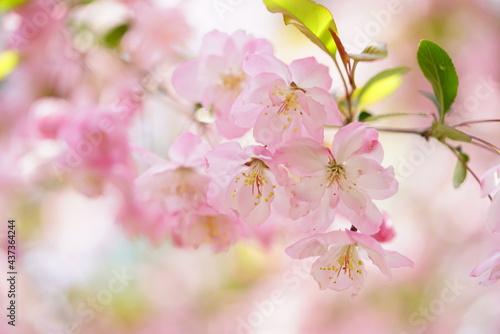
<point>243,180</point>
<point>207,226</point>
<point>489,269</point>
<point>150,41</point>
<point>342,257</point>
<point>216,78</point>
<point>346,177</point>
<point>490,185</point>
<point>282,102</point>
<point>178,189</point>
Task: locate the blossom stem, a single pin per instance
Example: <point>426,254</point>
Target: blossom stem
<point>416,132</point>
<point>476,122</point>
<point>466,166</point>
<point>347,94</point>
<point>485,142</point>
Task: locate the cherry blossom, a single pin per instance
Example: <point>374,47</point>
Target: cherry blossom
<point>346,177</point>
<point>489,269</point>
<point>490,185</point>
<point>216,78</point>
<point>283,102</point>
<point>342,256</point>
<point>242,180</point>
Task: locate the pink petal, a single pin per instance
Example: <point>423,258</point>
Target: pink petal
<point>356,138</point>
<point>488,264</point>
<point>257,63</point>
<point>374,250</point>
<point>308,73</point>
<point>490,181</point>
<point>304,157</point>
<point>307,247</point>
<point>189,150</point>
<point>319,219</point>
<point>329,104</point>
<point>378,182</point>
<point>360,211</point>
<point>396,260</point>
<point>183,78</point>
<point>493,220</point>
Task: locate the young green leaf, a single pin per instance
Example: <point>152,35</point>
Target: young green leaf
<point>439,70</point>
<point>313,20</point>
<point>113,37</point>
<point>363,116</point>
<point>460,168</point>
<point>380,86</point>
<point>372,52</point>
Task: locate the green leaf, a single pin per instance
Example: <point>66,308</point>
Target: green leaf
<point>8,62</point>
<point>113,37</point>
<point>439,70</point>
<point>6,5</point>
<point>380,86</point>
<point>455,134</point>
<point>460,168</point>
<point>441,131</point>
<point>313,20</point>
<point>372,52</point>
<point>363,116</point>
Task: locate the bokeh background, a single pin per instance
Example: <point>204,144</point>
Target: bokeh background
<point>79,272</point>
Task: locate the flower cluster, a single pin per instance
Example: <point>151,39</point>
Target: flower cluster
<point>287,172</point>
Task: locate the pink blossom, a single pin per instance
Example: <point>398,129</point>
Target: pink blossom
<point>386,232</point>
<point>150,40</point>
<point>242,180</point>
<point>490,185</point>
<point>178,189</point>
<point>283,102</point>
<point>216,78</point>
<point>489,269</point>
<point>346,177</point>
<point>341,258</point>
<point>207,226</point>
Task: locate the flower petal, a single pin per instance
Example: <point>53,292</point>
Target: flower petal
<point>303,157</point>
<point>189,150</point>
<point>308,73</point>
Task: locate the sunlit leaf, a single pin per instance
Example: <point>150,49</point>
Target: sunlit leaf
<point>439,70</point>
<point>460,168</point>
<point>372,52</point>
<point>313,20</point>
<point>6,5</point>
<point>380,86</point>
<point>8,62</point>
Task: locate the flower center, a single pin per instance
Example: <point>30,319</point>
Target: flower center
<point>232,82</point>
<point>288,98</point>
<point>335,173</point>
<point>255,176</point>
<point>346,262</point>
